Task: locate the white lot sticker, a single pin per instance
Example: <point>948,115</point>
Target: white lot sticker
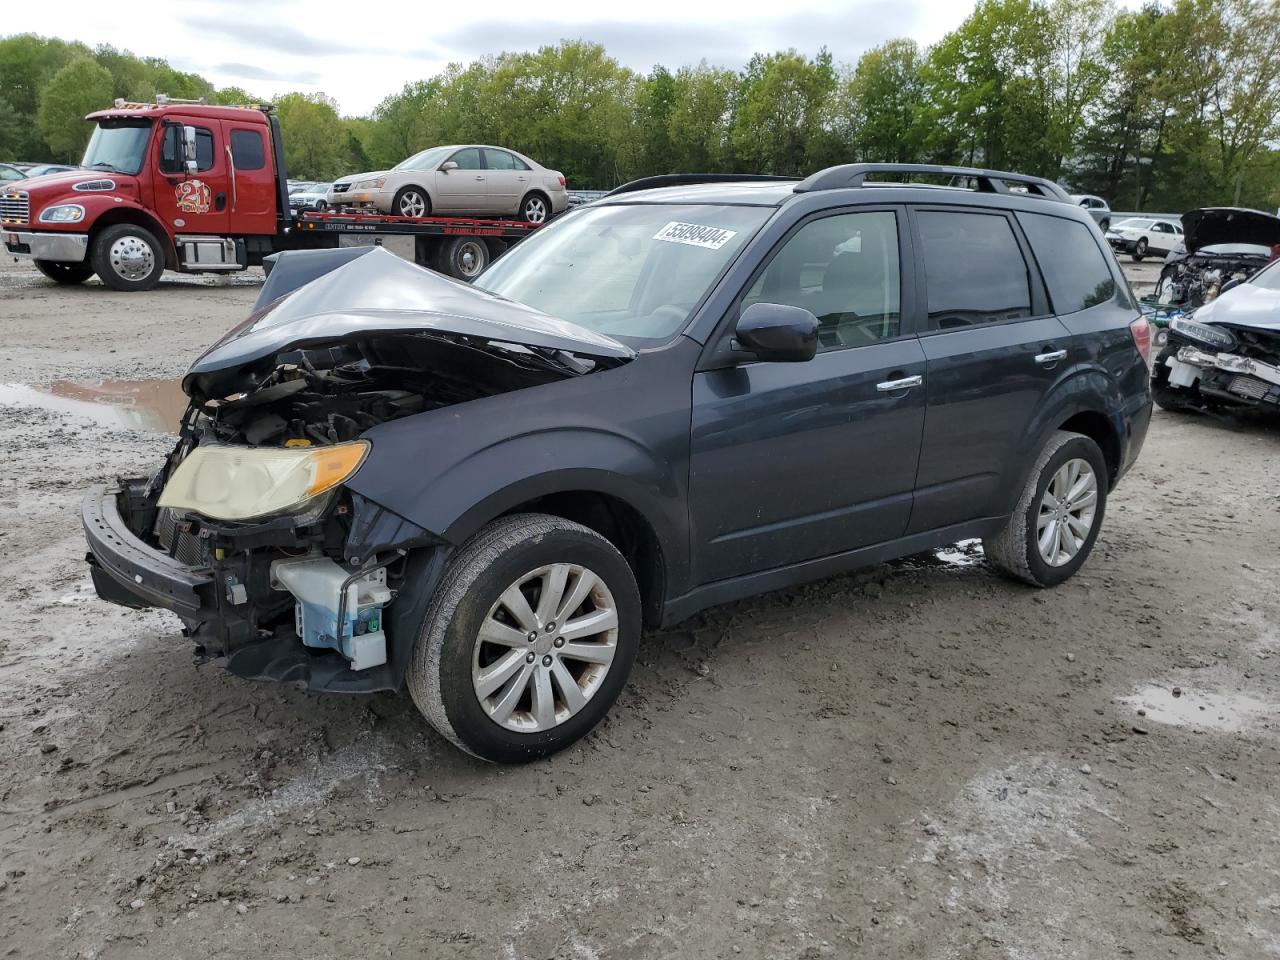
<point>695,234</point>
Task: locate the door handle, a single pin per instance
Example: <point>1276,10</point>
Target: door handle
<point>905,383</point>
<point>479,178</point>
<point>1050,358</point>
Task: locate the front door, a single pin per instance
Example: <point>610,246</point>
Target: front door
<point>993,351</point>
<point>793,461</point>
<point>464,189</point>
<point>195,203</point>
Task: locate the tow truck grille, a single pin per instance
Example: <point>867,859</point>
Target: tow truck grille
<point>15,207</point>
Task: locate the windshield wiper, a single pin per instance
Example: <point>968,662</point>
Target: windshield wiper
<point>105,166</point>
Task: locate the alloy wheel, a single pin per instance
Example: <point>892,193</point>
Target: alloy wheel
<point>545,647</point>
<point>535,210</point>
<point>1066,512</point>
<point>413,204</point>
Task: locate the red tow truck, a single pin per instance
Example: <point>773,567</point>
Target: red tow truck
<point>196,188</point>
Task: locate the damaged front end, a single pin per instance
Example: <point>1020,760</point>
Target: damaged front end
<point>1220,365</point>
<point>248,531</point>
<point>1223,247</point>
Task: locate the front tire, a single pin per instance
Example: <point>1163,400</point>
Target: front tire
<point>64,273</point>
<point>1052,529</point>
<point>529,639</point>
<point>1140,250</point>
<point>127,257</point>
<point>411,202</point>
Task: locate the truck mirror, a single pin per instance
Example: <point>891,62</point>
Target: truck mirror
<point>189,149</point>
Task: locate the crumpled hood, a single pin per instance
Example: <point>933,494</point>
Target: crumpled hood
<point>1210,225</point>
<point>1246,305</point>
<point>379,292</point>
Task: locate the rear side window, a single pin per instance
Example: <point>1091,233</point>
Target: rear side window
<point>974,269</point>
<point>247,150</point>
<point>1074,269</point>
<point>501,160</point>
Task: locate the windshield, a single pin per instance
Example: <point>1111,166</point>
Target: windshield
<point>1268,278</point>
<point>634,272</point>
<point>118,146</point>
<point>424,160</point>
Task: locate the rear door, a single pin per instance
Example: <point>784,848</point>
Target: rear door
<point>464,189</point>
<point>793,461</point>
<point>252,205</point>
<point>993,351</point>
<point>192,203</point>
<point>508,180</point>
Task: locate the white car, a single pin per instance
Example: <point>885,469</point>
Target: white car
<point>473,180</point>
<point>1140,236</point>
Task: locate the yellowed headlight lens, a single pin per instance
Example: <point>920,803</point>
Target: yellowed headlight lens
<point>243,483</point>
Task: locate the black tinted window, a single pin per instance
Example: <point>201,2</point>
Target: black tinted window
<point>247,150</point>
<point>843,270</point>
<point>171,150</point>
<point>974,269</point>
<point>1074,269</point>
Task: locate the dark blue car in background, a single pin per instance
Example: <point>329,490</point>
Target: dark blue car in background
<point>695,389</point>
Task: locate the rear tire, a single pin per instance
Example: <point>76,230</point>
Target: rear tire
<point>1067,487</point>
<point>453,661</point>
<point>64,273</point>
<point>1140,250</point>
<point>1105,225</point>
<point>535,208</point>
<point>127,257</point>
<point>462,258</point>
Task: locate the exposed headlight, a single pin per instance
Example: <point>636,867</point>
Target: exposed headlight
<point>374,184</point>
<point>62,213</point>
<point>1202,332</point>
<point>243,483</point>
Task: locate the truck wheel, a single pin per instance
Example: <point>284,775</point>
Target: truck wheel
<point>127,257</point>
<point>462,257</point>
<point>1056,521</point>
<point>411,202</point>
<point>535,208</point>
<point>1140,250</point>
<point>528,640</point>
<point>68,273</point>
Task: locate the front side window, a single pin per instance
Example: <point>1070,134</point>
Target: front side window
<point>630,271</point>
<point>468,159</point>
<point>1074,269</point>
<point>844,270</point>
<point>974,269</point>
<point>118,146</point>
<point>247,150</point>
<point>171,158</point>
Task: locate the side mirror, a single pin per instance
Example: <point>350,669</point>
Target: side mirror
<point>447,166</point>
<point>778,333</point>
<point>189,150</point>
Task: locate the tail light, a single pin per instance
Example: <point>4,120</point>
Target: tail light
<point>561,179</point>
<point>1140,329</point>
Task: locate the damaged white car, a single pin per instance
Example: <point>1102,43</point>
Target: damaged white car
<point>1226,355</point>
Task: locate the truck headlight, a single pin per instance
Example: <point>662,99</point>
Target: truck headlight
<point>374,184</point>
<point>1202,333</point>
<point>62,213</point>
<point>243,483</point>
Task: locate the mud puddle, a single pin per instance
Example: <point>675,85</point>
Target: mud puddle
<point>154,405</point>
<point>1180,707</point>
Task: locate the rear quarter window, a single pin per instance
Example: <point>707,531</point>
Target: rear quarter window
<point>1074,268</point>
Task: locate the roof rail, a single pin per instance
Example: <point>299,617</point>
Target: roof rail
<point>988,181</point>
<point>684,179</point>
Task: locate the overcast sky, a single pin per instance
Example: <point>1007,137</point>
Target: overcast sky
<point>357,53</point>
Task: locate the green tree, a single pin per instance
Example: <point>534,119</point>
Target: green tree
<point>780,112</point>
<point>701,123</point>
<point>80,87</point>
<point>879,111</point>
<point>315,143</point>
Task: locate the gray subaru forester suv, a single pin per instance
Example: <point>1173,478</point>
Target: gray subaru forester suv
<point>696,389</point>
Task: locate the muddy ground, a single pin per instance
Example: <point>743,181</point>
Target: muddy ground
<point>919,761</point>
